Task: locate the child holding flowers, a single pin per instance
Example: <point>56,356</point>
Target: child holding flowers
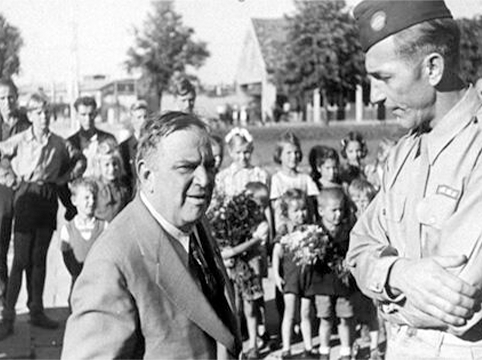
<point>292,270</point>
<point>288,154</point>
<point>331,281</point>
<point>232,180</point>
<point>240,226</point>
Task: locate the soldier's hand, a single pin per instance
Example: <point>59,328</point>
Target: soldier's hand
<point>432,290</point>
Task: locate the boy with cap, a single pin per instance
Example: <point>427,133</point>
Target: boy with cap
<point>418,247</point>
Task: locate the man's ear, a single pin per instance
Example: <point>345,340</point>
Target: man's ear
<point>435,65</point>
<point>145,175</point>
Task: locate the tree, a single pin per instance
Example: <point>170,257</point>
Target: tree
<point>322,51</point>
<point>164,48</point>
<point>10,44</point>
<point>470,48</point>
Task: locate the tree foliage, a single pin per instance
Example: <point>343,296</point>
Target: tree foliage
<point>164,48</point>
<point>471,48</point>
<point>10,44</point>
<point>322,51</point>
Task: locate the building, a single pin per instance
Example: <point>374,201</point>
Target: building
<point>262,49</point>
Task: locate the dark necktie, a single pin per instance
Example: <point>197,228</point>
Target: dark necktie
<point>208,276</point>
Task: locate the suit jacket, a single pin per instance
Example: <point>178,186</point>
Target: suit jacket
<point>135,298</point>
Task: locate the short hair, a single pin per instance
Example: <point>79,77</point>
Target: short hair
<point>438,35</point>
<point>353,136</point>
<point>8,82</point>
<point>287,138</point>
<point>36,99</point>
<point>336,193</point>
<point>362,186</point>
<point>86,183</point>
<point>318,156</point>
<point>108,148</point>
<point>184,87</point>
<point>289,196</point>
<point>85,101</point>
<point>160,126</point>
<point>254,187</point>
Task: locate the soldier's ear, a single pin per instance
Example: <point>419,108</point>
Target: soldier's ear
<point>146,176</point>
<point>435,66</point>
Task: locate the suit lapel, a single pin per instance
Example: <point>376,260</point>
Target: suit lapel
<point>175,280</point>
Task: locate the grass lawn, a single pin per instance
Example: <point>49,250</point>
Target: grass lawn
<point>310,134</point>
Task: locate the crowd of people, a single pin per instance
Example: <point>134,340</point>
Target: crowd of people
<point>161,271</point>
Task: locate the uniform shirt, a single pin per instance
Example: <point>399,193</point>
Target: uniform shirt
<point>38,160</point>
<point>232,180</point>
<point>430,203</point>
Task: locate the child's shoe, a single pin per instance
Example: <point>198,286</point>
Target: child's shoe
<point>375,354</point>
<point>285,354</point>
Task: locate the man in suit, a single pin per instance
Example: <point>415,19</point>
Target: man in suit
<point>154,285</point>
<point>418,247</point>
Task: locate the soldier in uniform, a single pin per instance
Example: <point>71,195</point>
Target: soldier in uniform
<point>418,247</point>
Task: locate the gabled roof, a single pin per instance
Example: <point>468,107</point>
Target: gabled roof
<point>271,35</point>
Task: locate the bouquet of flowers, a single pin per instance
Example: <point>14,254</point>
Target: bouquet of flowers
<point>233,219</point>
<point>308,244</point>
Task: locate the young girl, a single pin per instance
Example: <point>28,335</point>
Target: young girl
<point>353,150</point>
<point>374,171</point>
<point>325,166</point>
<point>246,265</point>
<point>292,280</point>
<point>288,154</point>
<point>361,193</point>
<point>114,194</point>
<point>79,234</point>
<point>218,151</point>
<point>232,180</point>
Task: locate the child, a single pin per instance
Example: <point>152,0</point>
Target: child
<point>325,166</point>
<point>361,193</point>
<point>232,180</point>
<point>247,266</point>
<point>218,152</point>
<point>288,154</point>
<point>291,279</point>
<point>354,150</point>
<point>113,192</point>
<point>374,171</point>
<point>333,294</point>
<point>79,234</point>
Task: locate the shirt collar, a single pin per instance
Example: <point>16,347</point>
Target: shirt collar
<point>460,116</point>
<point>177,234</point>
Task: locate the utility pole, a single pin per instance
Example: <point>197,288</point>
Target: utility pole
<point>73,81</point>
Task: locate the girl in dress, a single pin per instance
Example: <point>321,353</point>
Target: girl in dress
<point>232,180</point>
<point>288,154</point>
<point>374,171</point>
<point>114,194</point>
<point>293,280</point>
<point>325,166</point>
<point>353,150</point>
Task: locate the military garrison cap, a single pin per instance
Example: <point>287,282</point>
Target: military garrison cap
<point>378,19</point>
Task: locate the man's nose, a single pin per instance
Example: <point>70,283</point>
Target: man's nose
<point>203,176</point>
<point>376,95</point>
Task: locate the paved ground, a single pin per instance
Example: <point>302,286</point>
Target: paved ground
<point>29,342</point>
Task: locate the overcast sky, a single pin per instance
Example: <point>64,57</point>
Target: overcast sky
<point>105,32</point>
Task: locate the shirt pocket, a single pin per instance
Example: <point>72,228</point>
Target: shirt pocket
<point>394,209</point>
<point>436,209</point>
